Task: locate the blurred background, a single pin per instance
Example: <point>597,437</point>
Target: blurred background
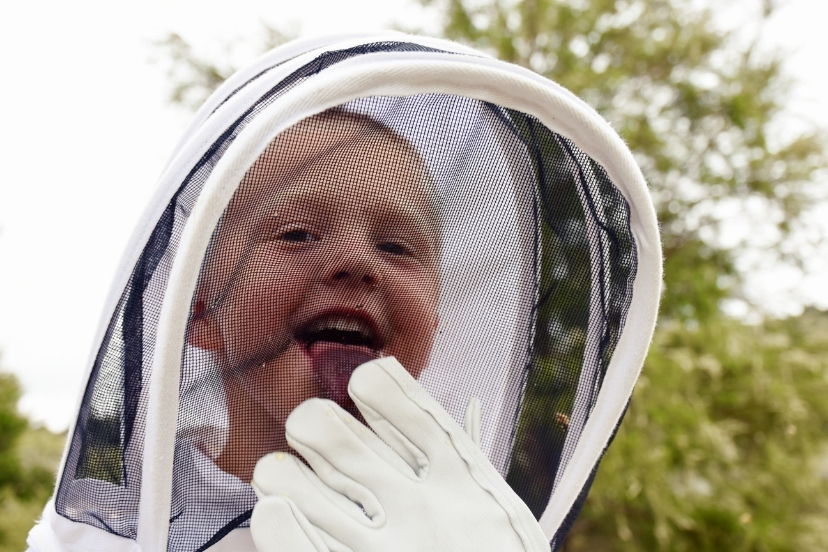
<point>725,445</point>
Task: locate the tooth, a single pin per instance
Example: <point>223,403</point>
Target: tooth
<point>347,325</point>
<point>341,323</point>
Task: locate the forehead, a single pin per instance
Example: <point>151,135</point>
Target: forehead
<point>334,158</point>
<point>331,135</point>
<point>360,174</point>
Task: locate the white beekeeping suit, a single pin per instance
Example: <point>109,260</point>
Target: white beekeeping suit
<point>340,201</point>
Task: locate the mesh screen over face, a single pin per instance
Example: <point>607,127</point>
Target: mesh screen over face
<point>487,253</point>
<point>101,479</point>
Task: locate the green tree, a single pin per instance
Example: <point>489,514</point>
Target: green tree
<point>694,105</point>
<point>724,445</point>
<point>28,460</point>
<point>193,77</point>
<point>12,426</point>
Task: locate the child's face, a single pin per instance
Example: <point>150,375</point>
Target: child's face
<point>327,266</point>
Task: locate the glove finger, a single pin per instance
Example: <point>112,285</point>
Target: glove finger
<point>473,417</point>
<point>284,475</point>
<point>277,525</point>
<point>344,454</point>
<point>370,439</point>
<point>402,413</point>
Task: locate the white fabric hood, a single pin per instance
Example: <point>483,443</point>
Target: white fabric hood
<point>346,198</point>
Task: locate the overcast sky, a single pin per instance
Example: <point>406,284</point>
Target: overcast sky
<point>85,130</point>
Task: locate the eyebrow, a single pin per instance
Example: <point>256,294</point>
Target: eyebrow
<point>294,195</point>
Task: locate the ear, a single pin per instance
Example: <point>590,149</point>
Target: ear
<point>204,331</point>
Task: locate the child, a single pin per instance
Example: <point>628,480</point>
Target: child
<point>326,257</point>
<point>329,254</point>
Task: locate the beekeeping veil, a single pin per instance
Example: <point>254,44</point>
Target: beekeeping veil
<point>342,199</point>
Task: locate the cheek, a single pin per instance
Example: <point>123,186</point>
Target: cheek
<point>414,317</point>
<point>256,312</point>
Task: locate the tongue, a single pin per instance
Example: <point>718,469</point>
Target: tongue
<point>334,363</point>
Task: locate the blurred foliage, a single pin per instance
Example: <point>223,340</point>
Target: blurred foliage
<point>725,444</point>
<point>29,458</point>
<point>101,455</point>
<point>11,426</point>
<point>193,76</point>
<point>696,105</point>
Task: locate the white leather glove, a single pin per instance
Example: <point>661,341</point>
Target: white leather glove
<point>427,487</point>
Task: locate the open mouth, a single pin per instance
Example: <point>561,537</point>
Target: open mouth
<point>335,328</point>
<point>336,345</point>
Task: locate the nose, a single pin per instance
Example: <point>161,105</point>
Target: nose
<point>351,266</point>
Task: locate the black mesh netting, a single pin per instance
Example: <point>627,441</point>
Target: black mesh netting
<point>487,253</point>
